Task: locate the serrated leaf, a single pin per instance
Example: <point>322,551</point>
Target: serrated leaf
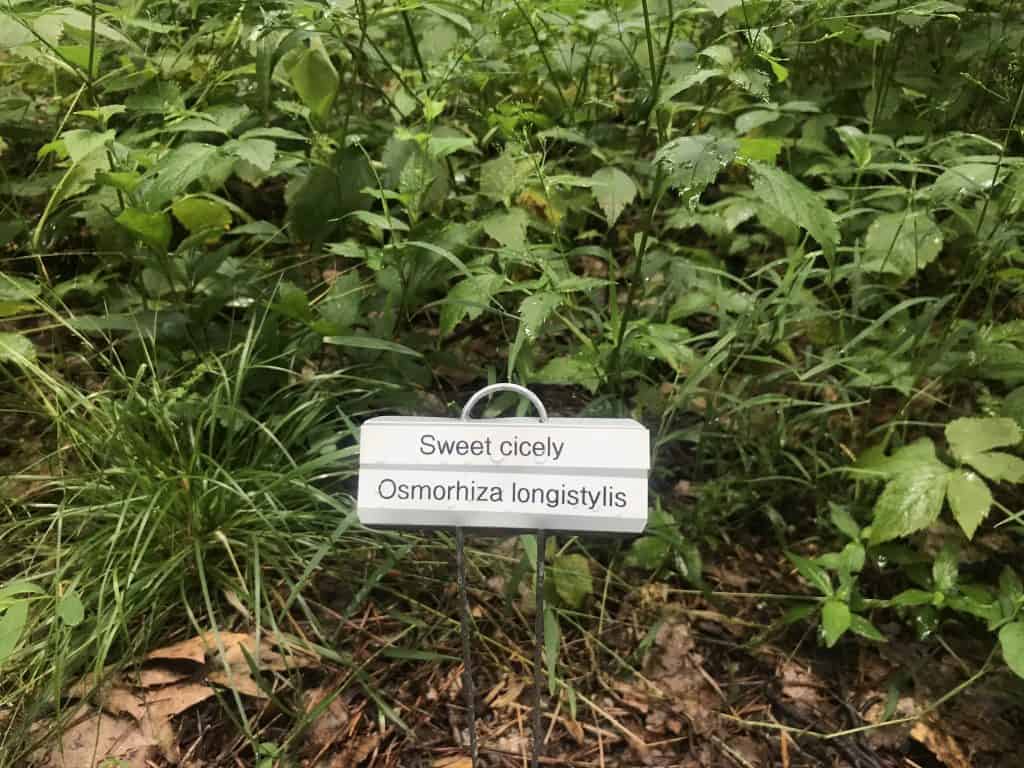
<point>970,499</point>
<point>498,178</point>
<point>319,200</point>
<point>508,227</point>
<point>946,569</point>
<point>315,80</point>
<point>198,214</point>
<point>15,348</point>
<point>173,174</point>
<point>258,152</point>
<point>648,552</point>
<point>70,609</point>
<point>573,581</point>
<point>569,370</point>
<point>835,620</point>
<point>966,179</point>
<point>843,520</point>
<point>614,190</point>
<point>794,201</point>
<point>154,229</point>
<point>533,313</point>
<point>874,461</point>
<point>468,299</point>
<point>997,466</point>
<point>1011,640</point>
<point>760,149</point>
<point>972,436</point>
<point>691,163</point>
<point>910,502</point>
<point>901,243</point>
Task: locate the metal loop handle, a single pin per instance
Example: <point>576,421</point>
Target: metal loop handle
<point>467,411</point>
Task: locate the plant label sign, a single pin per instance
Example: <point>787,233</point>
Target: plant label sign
<point>559,475</point>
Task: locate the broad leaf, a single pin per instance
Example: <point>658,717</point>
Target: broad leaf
<point>797,203</point>
<point>573,581</point>
<point>552,640</point>
<point>154,229</point>
<point>508,227</point>
<point>835,620</point>
<point>997,466</point>
<point>468,299</point>
<point>874,461</point>
<point>861,626</point>
<point>569,370</point>
<point>1011,640</point>
<point>198,214</point>
<point>176,170</point>
<point>70,609</point>
<point>910,502</point>
<point>499,179</point>
<point>318,201</point>
<point>691,163</point>
<point>11,625</point>
<point>15,348</point>
<point>970,500</point>
<point>972,436</point>
<point>901,243</point>
<point>315,80</point>
<point>614,190</point>
<point>966,180</point>
<point>533,313</point>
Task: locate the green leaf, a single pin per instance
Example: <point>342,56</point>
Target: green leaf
<point>319,200</point>
<point>552,639</point>
<point>851,559</point>
<point>614,190</point>
<point>11,625</point>
<point>843,520</point>
<point>1010,586</point>
<point>569,370</point>
<point>946,569</point>
<point>258,152</point>
<point>970,500</point>
<point>795,202</point>
<point>648,552</point>
<point>468,299</point>
<point>197,214</point>
<point>972,436</point>
<point>369,342</point>
<point>508,227</point>
<point>387,223</point>
<point>154,229</point>
<point>910,502</point>
<point>912,597</point>
<point>1011,640</point>
<point>861,626</point>
<point>874,461</point>
<point>573,581</point>
<point>967,179</point>
<point>70,609</point>
<point>812,573</point>
<point>315,80</point>
<point>173,174</point>
<point>533,313</point>
<point>17,289</point>
<point>721,7</point>
<point>760,149</point>
<point>691,163</point>
<point>835,620</point>
<point>901,243</point>
<point>20,587</point>
<point>997,466</point>
<point>499,179</point>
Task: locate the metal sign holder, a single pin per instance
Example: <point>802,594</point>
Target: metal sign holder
<point>538,625</point>
<point>400,457</point>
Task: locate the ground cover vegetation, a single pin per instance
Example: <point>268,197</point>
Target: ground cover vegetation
<point>784,234</point>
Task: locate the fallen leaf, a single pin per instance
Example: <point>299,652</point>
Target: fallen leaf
<point>675,667</point>
<point>239,681</point>
<point>196,648</point>
<point>944,747</point>
<point>453,762</point>
<point>510,696</point>
<point>800,685</point>
<point>329,725</point>
<point>575,730</point>
<point>101,737</point>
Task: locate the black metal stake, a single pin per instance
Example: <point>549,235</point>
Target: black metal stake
<point>467,659</point>
<point>538,672</point>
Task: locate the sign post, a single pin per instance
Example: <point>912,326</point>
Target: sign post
<point>543,475</point>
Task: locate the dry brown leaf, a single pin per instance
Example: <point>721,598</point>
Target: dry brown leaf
<point>800,684</point>
<point>152,677</point>
<point>675,667</point>
<point>453,762</point>
<point>196,648</point>
<point>575,730</point>
<point>510,696</point>
<point>329,725</point>
<point>238,680</point>
<point>945,748</point>
<point>101,737</point>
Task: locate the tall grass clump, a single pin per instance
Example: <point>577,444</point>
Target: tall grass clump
<point>167,494</point>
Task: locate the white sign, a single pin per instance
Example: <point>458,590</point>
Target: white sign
<point>560,475</point>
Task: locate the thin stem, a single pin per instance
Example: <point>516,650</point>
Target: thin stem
<point>543,54</point>
<point>465,626</point>
<point>538,631</point>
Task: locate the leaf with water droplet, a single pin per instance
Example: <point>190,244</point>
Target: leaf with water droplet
<point>691,163</point>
